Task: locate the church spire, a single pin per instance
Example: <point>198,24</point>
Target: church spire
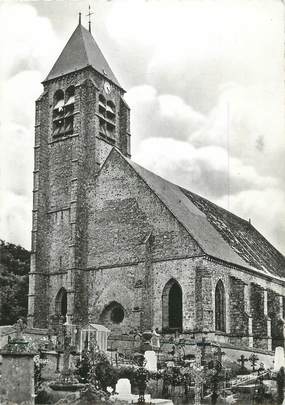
<point>80,52</point>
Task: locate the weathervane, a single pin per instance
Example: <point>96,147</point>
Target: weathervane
<point>89,15</point>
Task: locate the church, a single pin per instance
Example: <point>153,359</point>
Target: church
<point>117,245</point>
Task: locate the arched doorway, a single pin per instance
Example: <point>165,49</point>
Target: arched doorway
<point>61,302</point>
<point>220,307</point>
<point>172,316</point>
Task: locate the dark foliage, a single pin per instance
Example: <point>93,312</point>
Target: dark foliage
<point>95,368</point>
<point>14,279</point>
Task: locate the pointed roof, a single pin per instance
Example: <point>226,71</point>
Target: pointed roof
<point>81,51</point>
<point>219,233</point>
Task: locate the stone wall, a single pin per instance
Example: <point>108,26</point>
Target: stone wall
<point>259,318</point>
<point>123,211</point>
<point>135,246</point>
<point>277,323</point>
<point>17,382</point>
<point>63,169</point>
<point>239,325</point>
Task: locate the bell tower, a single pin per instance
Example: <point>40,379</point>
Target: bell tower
<point>80,116</point>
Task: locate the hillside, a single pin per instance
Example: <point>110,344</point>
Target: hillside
<point>14,270</point>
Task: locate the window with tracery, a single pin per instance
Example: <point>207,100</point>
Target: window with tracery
<point>220,307</point>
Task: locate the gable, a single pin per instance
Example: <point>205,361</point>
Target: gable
<point>218,232</point>
<point>191,217</point>
<point>123,212</point>
<point>215,231</point>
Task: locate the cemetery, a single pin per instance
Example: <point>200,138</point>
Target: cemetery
<point>84,366</point>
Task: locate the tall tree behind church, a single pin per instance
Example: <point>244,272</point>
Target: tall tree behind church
<point>14,270</point>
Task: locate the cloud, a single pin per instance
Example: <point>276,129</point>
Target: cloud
<point>265,208</point>
<point>18,95</point>
<point>208,170</point>
<point>27,43</point>
<point>161,115</point>
<point>240,119</point>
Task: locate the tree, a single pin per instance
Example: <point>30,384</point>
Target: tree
<point>14,282</point>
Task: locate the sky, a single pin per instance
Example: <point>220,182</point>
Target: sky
<point>204,80</point>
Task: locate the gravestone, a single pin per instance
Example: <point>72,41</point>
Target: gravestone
<point>123,389</point>
<point>151,360</point>
<point>279,360</point>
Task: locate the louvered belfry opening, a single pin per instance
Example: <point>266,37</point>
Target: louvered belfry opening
<point>63,112</point>
<point>107,119</point>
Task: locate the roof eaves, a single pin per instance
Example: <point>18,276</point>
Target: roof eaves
<point>266,274</point>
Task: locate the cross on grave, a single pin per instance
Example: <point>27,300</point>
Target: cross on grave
<point>253,360</point>
<point>242,360</point>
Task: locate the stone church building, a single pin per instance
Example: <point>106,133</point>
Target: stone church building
<point>115,244</point>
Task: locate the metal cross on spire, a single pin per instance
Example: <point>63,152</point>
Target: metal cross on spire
<point>79,15</point>
<point>89,16</point>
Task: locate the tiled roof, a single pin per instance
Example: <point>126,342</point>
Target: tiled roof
<point>81,51</point>
<point>242,236</point>
<point>220,234</point>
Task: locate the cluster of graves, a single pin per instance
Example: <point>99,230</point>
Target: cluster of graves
<point>30,359</point>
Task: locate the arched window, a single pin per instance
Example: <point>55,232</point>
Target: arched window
<point>113,313</point>
<point>58,113</point>
<point>61,302</point>
<point>220,307</point>
<point>172,306</point>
